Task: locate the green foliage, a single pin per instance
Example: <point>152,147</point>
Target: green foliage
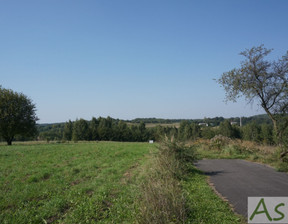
<point>68,131</point>
<point>266,134</point>
<point>252,132</point>
<point>207,132</point>
<point>258,133</point>
<point>183,155</point>
<point>219,141</point>
<point>264,81</point>
<point>80,130</point>
<point>188,131</point>
<point>17,115</point>
<point>119,130</point>
<point>228,130</point>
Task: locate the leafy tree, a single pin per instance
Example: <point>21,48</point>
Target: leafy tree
<point>80,130</point>
<point>17,115</point>
<point>226,129</point>
<point>68,131</point>
<point>207,132</point>
<point>94,128</point>
<point>267,133</point>
<point>264,81</point>
<point>252,132</point>
<point>122,131</point>
<point>142,130</point>
<point>184,131</point>
<point>105,128</point>
<point>196,131</point>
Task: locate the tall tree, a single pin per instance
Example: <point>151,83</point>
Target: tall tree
<point>226,129</point>
<point>105,128</point>
<point>142,130</point>
<point>68,131</point>
<point>81,130</point>
<point>252,132</point>
<point>264,81</point>
<point>17,115</point>
<point>94,128</point>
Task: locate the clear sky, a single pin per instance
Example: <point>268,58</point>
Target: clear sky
<point>133,58</point>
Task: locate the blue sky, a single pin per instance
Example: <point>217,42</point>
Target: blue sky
<point>129,59</point>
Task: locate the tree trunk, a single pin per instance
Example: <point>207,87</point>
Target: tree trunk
<point>275,126</point>
<point>9,141</point>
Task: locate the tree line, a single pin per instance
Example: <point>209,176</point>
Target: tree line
<point>253,131</point>
<point>97,129</point>
<point>215,121</point>
<point>109,129</point>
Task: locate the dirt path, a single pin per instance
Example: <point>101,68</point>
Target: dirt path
<point>237,179</point>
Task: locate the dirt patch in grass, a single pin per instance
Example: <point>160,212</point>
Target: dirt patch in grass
<point>89,192</point>
<point>127,176</point>
<point>75,182</point>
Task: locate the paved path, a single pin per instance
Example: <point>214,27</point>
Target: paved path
<point>238,179</point>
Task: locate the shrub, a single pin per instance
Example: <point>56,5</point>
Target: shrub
<point>219,141</point>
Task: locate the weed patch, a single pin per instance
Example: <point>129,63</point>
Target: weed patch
<point>236,149</point>
<point>162,199</point>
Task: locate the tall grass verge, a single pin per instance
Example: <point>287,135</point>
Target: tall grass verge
<point>221,147</point>
<point>162,198</point>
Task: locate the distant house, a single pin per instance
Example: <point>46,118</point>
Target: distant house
<point>203,124</point>
<point>234,123</point>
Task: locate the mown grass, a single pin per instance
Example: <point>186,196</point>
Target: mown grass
<point>70,183</point>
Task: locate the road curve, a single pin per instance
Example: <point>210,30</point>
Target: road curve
<point>237,179</point>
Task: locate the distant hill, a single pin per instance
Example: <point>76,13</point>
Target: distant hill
<point>259,119</point>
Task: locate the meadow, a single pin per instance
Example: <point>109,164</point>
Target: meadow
<point>70,183</point>
<point>102,182</point>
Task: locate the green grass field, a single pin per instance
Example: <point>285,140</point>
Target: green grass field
<point>70,183</point>
<point>91,182</point>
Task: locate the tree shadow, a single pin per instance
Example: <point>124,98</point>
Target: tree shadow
<point>213,173</point>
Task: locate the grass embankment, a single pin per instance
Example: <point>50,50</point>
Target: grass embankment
<point>105,182</point>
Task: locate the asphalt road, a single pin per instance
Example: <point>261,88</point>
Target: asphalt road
<point>237,179</point>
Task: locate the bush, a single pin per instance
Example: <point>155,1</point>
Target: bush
<point>179,156</point>
<point>219,141</point>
